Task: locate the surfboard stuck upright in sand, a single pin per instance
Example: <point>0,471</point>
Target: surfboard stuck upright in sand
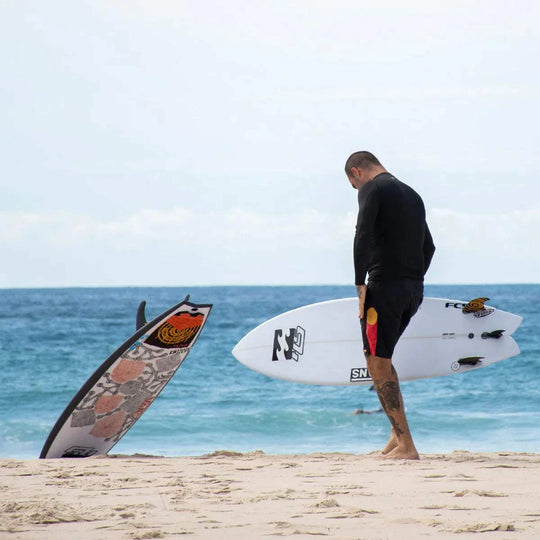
<point>126,384</point>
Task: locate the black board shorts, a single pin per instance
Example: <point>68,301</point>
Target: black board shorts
<point>388,309</point>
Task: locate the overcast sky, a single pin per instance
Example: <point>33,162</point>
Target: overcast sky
<point>161,142</point>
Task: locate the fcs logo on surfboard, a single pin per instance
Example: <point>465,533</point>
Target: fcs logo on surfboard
<point>360,374</point>
<point>288,345</point>
<point>476,307</point>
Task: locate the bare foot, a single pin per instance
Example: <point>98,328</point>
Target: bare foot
<point>392,443</point>
<point>399,453</point>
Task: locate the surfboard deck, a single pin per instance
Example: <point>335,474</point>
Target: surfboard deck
<point>322,343</point>
<point>127,383</point>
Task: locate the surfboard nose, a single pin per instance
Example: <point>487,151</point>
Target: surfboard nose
<point>239,353</point>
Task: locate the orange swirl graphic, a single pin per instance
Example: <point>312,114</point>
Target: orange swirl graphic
<point>170,335</point>
<point>180,329</point>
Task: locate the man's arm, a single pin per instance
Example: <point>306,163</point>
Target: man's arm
<point>368,207</point>
<point>361,290</point>
<point>429,248</point>
<point>364,240</point>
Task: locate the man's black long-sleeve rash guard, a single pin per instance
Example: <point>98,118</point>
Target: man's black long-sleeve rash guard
<point>392,238</point>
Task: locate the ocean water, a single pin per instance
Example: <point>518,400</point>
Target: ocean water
<point>52,340</point>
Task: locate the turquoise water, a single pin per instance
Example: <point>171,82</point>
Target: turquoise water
<point>52,340</point>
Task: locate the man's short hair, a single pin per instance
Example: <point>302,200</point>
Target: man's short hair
<point>361,160</point>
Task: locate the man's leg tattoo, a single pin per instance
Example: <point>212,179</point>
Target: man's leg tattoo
<point>389,396</point>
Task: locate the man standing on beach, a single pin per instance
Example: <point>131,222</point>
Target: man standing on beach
<point>393,246</point>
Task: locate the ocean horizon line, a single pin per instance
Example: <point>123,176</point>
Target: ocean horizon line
<point>249,285</point>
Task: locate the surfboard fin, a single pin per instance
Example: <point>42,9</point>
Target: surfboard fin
<point>495,334</point>
<point>141,317</point>
<point>470,360</point>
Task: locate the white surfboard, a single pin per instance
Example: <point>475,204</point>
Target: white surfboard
<point>322,343</point>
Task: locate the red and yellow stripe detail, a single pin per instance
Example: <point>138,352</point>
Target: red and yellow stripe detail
<point>371,329</point>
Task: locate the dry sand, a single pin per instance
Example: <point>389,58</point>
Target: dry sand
<point>249,496</point>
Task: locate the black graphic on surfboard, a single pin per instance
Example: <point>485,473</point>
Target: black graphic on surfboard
<point>288,344</point>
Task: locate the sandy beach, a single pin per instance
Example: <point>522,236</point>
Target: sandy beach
<point>247,496</point>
